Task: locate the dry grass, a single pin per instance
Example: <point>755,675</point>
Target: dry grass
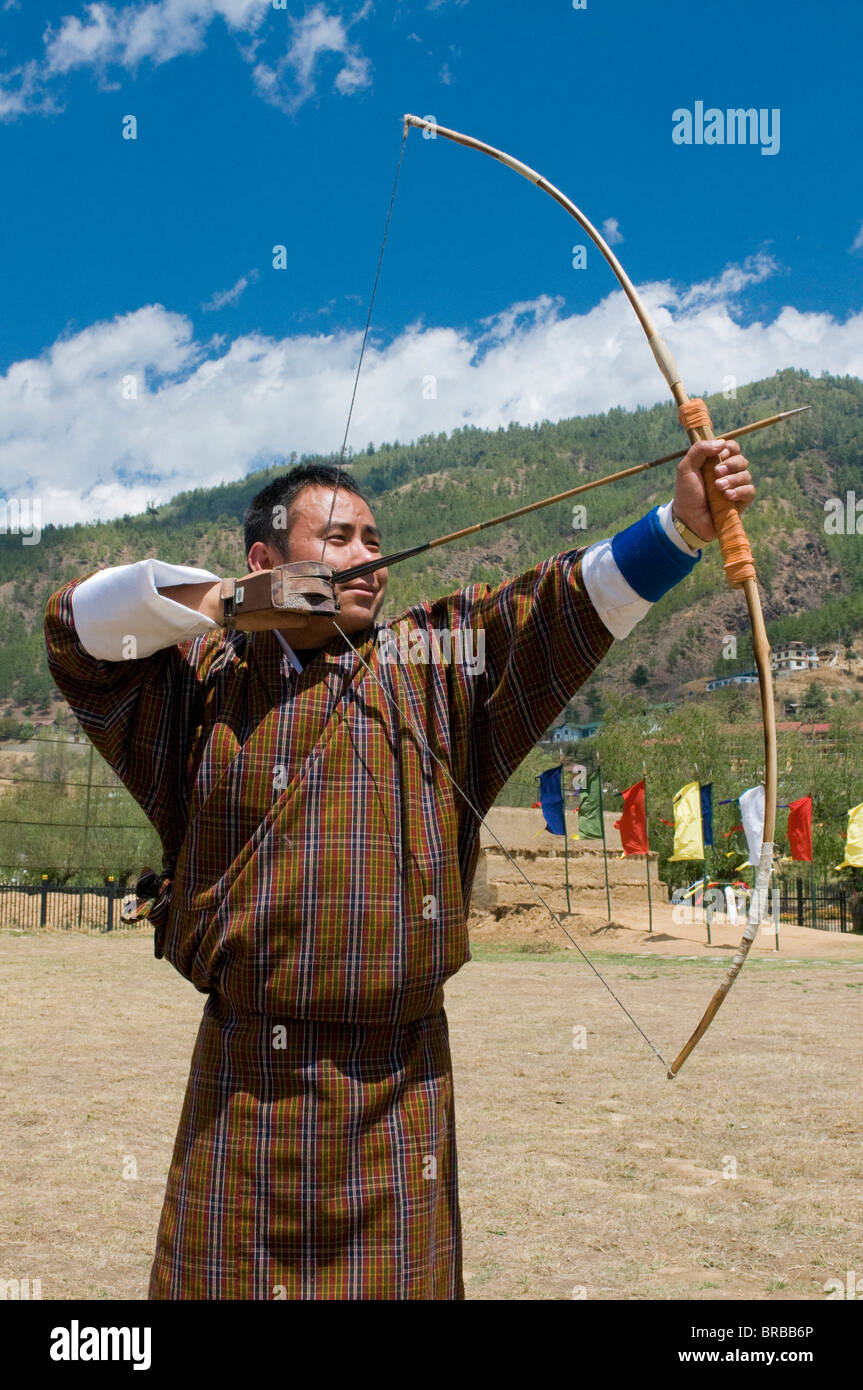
<point>579,1168</point>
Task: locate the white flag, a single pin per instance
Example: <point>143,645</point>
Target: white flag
<point>730,905</point>
<point>751,805</point>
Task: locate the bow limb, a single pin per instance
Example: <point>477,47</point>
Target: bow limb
<point>739,573</point>
<point>733,543</point>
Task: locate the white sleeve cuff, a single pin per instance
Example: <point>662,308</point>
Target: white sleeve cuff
<point>616,602</point>
<point>671,531</point>
<point>120,616</point>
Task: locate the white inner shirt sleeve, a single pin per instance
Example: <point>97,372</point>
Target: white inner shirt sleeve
<point>120,616</point>
<point>616,602</point>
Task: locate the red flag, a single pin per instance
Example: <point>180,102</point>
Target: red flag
<point>633,823</point>
<point>800,828</point>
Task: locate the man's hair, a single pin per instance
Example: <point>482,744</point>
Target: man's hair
<point>259,523</point>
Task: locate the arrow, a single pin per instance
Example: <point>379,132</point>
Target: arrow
<point>369,566</point>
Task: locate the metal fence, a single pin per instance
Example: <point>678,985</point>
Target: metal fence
<point>823,906</point>
<point>62,908</point>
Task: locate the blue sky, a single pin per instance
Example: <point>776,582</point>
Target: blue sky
<point>147,343</point>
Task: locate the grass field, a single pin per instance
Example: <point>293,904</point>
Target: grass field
<point>583,1171</point>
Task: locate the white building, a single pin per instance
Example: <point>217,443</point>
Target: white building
<point>794,656</point>
<point>739,678</point>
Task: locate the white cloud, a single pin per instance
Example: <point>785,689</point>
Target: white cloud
<point>611,231</point>
<point>318,34</point>
<point>221,298</point>
<point>731,282</point>
<point>208,410</point>
<point>22,93</point>
<point>857,244</point>
<point>160,31</point>
<point>105,36</point>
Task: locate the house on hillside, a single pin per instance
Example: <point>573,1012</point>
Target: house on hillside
<point>794,656</point>
<point>738,678</point>
<point>573,733</point>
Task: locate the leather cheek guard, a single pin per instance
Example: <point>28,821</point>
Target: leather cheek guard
<point>302,587</point>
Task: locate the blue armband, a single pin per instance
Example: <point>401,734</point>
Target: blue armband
<point>650,563</point>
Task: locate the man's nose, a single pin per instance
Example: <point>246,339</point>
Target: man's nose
<point>358,553</point>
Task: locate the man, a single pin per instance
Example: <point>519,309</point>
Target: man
<point>318,865</point>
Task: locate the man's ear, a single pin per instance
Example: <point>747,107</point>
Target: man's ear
<point>263,556</point>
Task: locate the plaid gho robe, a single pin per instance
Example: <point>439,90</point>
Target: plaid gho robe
<point>320,868</point>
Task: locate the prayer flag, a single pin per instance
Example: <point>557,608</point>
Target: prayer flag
<point>752,810</point>
<point>551,799</point>
<point>688,838</point>
<point>800,828</point>
<point>854,843</point>
<point>590,809</point>
<point>633,823</point>
<point>707,813</point>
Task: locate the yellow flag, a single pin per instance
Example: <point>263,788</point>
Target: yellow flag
<point>688,835</point>
<point>854,841</point>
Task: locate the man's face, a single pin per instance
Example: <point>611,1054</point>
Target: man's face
<point>349,538</point>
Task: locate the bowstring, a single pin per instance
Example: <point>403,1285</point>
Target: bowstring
<point>483,821</point>
<point>401,713</point>
<point>341,457</point>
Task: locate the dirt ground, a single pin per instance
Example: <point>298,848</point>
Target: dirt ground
<point>583,1171</point>
<point>629,930</point>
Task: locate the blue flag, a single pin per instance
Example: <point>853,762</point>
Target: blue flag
<point>707,812</point>
<point>551,799</point>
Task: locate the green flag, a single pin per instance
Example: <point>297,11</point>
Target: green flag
<point>590,809</point>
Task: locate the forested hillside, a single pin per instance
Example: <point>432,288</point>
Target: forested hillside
<point>812,580</point>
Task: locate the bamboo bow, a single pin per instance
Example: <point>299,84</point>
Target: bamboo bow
<point>737,556</point>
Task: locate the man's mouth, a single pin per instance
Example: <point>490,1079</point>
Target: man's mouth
<point>359,589</point>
